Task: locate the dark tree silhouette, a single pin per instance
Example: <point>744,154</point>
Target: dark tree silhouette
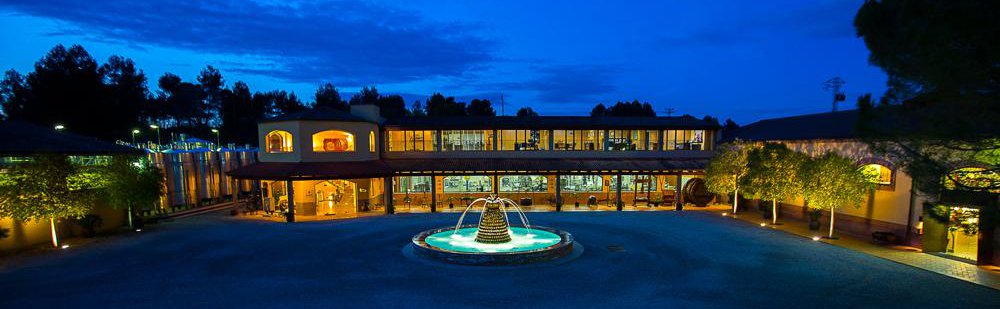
<point>183,103</point>
<point>211,82</point>
<point>438,105</point>
<point>479,107</point>
<point>943,62</point>
<point>392,106</point>
<point>624,109</point>
<point>327,95</point>
<point>240,115</point>
<point>126,95</point>
<point>367,95</point>
<point>417,109</point>
<point>526,112</point>
<point>730,125</point>
<point>599,110</point>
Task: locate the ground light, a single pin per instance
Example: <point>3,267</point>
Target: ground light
<point>64,246</point>
<point>725,214</point>
<point>762,224</point>
<point>816,238</point>
<point>138,230</point>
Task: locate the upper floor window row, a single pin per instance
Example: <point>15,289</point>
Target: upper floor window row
<point>279,141</point>
<point>561,140</point>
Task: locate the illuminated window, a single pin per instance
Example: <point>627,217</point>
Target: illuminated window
<point>591,140</point>
<point>333,141</point>
<point>685,140</point>
<point>524,139</point>
<point>881,175</point>
<point>371,141</point>
<point>467,184</point>
<point>412,140</point>
<point>640,183</point>
<point>582,183</point>
<point>466,140</point>
<point>279,141</point>
<point>526,183</point>
<point>412,184</point>
<point>973,179</point>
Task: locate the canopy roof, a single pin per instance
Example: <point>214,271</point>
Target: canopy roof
<point>22,138</point>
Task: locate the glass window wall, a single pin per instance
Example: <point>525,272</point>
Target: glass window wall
<point>467,140</point>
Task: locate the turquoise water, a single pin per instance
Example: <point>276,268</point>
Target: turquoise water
<point>521,239</point>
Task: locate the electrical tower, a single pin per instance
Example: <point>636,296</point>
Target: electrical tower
<point>835,85</point>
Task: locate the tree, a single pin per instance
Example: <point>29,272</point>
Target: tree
<point>526,112</point>
<point>417,109</point>
<point>392,106</point>
<point>133,184</point>
<point>599,110</point>
<point>48,187</point>
<point>773,174</point>
<point>327,95</point>
<point>13,94</point>
<point>240,115</point>
<point>211,82</point>
<point>439,105</point>
<point>481,108</point>
<point>830,181</point>
<point>728,170</point>
<point>367,95</point>
<point>125,95</point>
<point>183,103</point>
<point>943,97</point>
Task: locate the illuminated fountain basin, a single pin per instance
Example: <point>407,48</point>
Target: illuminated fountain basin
<point>493,241</point>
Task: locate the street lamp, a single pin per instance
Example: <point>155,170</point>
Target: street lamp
<point>217,143</point>
<point>157,128</point>
<point>60,127</point>
<point>134,132</point>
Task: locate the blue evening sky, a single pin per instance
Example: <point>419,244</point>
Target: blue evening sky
<point>745,60</point>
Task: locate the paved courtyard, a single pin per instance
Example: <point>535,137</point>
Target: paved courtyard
<point>675,259</point>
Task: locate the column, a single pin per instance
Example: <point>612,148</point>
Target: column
<point>559,201</point>
<point>387,195</point>
<point>678,197</point>
<point>618,191</point>
<point>496,184</point>
<point>290,191</point>
<point>434,194</point>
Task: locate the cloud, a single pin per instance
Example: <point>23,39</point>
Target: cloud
<point>832,19</point>
<point>351,43</point>
<point>567,83</point>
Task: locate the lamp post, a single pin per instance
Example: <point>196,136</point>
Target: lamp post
<point>134,132</point>
<point>60,127</point>
<point>157,128</point>
<point>217,143</point>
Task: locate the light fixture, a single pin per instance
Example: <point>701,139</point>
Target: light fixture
<point>60,127</point>
<point>153,126</point>
<point>136,131</point>
<point>725,214</point>
<point>816,238</point>
<point>215,130</point>
<point>138,230</point>
<point>762,224</point>
<point>64,246</point>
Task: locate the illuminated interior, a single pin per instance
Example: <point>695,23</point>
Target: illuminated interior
<point>333,141</point>
<point>279,141</point>
<point>883,174</point>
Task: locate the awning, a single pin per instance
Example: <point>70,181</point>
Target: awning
<point>422,167</point>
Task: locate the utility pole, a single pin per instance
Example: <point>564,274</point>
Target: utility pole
<point>835,86</point>
<point>670,111</point>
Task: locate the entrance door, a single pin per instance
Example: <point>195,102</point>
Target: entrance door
<point>963,233</point>
<point>336,198</point>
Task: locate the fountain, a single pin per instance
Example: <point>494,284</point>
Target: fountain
<point>493,241</point>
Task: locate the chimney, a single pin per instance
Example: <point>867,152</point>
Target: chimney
<point>368,112</point>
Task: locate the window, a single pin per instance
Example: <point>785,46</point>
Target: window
<point>371,141</point>
<point>625,140</point>
<point>684,140</point>
<point>333,141</point>
<point>582,183</point>
<point>412,140</point>
<point>527,183</point>
<point>882,175</point>
<point>590,140</point>
<point>630,183</point>
<point>413,184</point>
<point>466,184</point>
<point>653,140</point>
<point>466,140</point>
<point>278,141</point>
<point>524,140</point>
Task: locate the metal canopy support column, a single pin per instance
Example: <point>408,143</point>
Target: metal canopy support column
<point>290,193</point>
<point>496,184</point>
<point>559,201</point>
<point>434,199</point>
<point>387,195</point>
<point>618,192</point>
<point>678,196</point>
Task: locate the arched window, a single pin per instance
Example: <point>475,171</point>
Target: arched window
<point>882,175</point>
<point>333,141</point>
<point>279,141</point>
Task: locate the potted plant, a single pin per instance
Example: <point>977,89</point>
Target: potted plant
<point>814,215</point>
<point>656,202</point>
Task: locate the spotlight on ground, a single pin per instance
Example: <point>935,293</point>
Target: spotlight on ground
<point>725,214</point>
<point>816,238</point>
<point>762,224</point>
<point>138,230</point>
<point>64,246</point>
